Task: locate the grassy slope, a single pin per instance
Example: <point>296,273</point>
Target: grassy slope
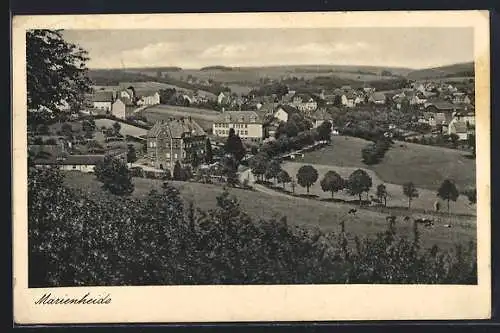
<point>396,198</point>
<point>204,117</point>
<point>439,72</point>
<point>425,166</point>
<point>299,211</point>
<point>126,129</point>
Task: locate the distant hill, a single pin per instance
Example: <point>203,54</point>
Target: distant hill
<point>456,70</point>
<point>216,68</point>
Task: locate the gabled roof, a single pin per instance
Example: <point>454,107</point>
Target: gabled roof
<point>102,96</point>
<point>350,95</point>
<point>239,117</point>
<point>287,108</point>
<point>410,93</point>
<point>378,96</point>
<point>460,127</point>
<point>176,128</point>
<point>125,101</point>
<point>321,114</point>
<point>444,106</point>
<point>139,93</point>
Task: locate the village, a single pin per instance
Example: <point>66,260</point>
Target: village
<point>431,109</point>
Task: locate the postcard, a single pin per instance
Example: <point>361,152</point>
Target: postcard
<point>247,167</point>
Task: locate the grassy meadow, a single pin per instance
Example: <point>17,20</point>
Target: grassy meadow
<point>299,211</point>
<point>424,203</point>
<point>425,166</point>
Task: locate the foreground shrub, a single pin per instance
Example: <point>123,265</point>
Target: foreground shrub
<point>79,240</point>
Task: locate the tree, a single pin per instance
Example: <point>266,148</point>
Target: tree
<point>471,195</point>
<point>67,130</point>
<point>358,182</point>
<point>116,128</point>
<point>258,165</point>
<point>178,173</point>
<point>230,167</point>
<point>471,142</point>
<point>382,193</point>
<point>290,129</point>
<point>88,125</point>
<point>448,191</point>
<point>410,191</point>
<point>325,131</point>
<point>332,182</point>
<point>195,160</point>
<point>114,175</point>
<point>293,183</point>
<point>284,177</point>
<point>234,146</point>
<point>131,154</point>
<point>208,152</point>
<point>307,175</point>
<point>55,69</point>
<point>454,139</point>
<point>273,169</point>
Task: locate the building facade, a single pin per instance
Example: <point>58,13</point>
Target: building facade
<point>102,100</point>
<point>175,140</point>
<point>246,124</point>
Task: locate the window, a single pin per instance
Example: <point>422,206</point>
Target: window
<point>175,155</point>
<point>246,132</point>
<point>168,155</point>
<point>246,126</point>
<point>184,154</point>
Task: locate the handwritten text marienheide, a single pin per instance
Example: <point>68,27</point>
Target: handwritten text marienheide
<point>48,299</point>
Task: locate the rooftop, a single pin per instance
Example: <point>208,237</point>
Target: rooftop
<point>176,128</point>
<point>239,117</point>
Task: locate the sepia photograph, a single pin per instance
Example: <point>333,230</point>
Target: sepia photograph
<point>266,156</point>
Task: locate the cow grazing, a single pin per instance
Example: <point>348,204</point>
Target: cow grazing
<point>391,218</point>
<point>406,218</point>
<point>425,221</point>
<point>352,211</point>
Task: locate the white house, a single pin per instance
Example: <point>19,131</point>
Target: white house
<point>221,98</point>
<point>319,117</point>
<point>377,98</point>
<point>283,112</point>
<point>306,106</point>
<point>148,97</point>
<point>459,128</point>
<point>349,100</point>
<point>246,124</point>
<point>120,109</point>
<point>102,100</point>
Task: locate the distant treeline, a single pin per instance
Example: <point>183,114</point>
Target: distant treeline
<point>220,68</point>
<point>114,77</point>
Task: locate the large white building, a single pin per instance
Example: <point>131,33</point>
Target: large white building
<point>246,124</point>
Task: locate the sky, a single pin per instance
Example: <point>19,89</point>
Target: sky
<point>392,47</point>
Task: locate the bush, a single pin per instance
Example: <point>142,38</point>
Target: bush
<point>80,240</point>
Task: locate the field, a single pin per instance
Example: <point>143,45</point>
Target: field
<point>251,76</point>
<point>126,129</point>
<point>456,70</point>
<point>396,198</point>
<point>425,166</point>
<point>299,211</point>
<point>203,117</point>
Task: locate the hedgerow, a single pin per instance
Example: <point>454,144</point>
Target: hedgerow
<point>76,239</point>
